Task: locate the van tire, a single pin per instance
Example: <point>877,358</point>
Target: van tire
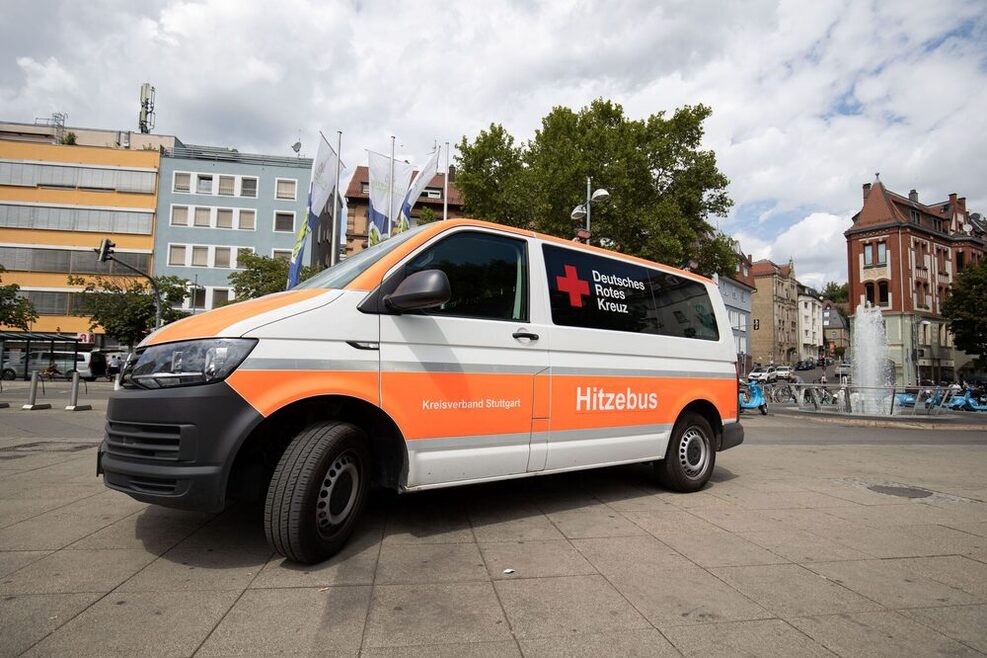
<point>302,493</point>
<point>691,455</point>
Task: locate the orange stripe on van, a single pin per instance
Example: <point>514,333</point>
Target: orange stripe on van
<point>269,390</point>
<point>209,324</point>
<point>673,395</point>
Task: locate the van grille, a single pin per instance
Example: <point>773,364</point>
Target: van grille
<point>157,442</point>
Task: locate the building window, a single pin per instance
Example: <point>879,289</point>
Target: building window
<point>203,184</point>
<point>224,218</point>
<point>247,220</point>
<point>200,256</point>
<point>182,182</point>
<point>433,193</point>
<point>199,298</point>
<point>868,255</point>
<point>202,217</point>
<point>179,216</point>
<point>869,292</point>
<point>914,216</point>
<point>882,253</point>
<point>882,293</point>
<point>220,297</point>
<point>285,189</point>
<point>54,218</point>
<point>283,254</point>
<point>222,257</point>
<point>226,185</point>
<point>364,188</point>
<point>176,255</point>
<point>284,222</point>
<point>248,187</point>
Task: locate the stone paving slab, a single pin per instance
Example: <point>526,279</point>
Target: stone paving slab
<point>788,551</point>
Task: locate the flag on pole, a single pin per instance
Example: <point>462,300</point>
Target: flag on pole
<point>424,177</point>
<point>385,205</point>
<point>321,188</point>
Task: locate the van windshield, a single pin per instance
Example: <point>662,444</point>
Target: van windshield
<point>342,273</point>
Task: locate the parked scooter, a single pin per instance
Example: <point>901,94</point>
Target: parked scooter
<point>755,398</point>
<point>966,402</point>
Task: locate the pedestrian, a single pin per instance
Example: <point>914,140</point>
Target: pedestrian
<point>113,367</point>
<point>822,378</point>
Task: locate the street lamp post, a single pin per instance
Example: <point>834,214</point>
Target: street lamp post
<point>585,210</point>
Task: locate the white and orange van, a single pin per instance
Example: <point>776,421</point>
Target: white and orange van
<point>455,353</point>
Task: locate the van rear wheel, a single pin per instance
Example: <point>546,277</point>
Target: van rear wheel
<point>691,455</point>
<point>318,492</point>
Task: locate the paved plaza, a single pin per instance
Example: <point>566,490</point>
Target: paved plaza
<point>811,539</point>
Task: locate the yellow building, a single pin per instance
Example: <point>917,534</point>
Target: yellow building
<point>56,203</point>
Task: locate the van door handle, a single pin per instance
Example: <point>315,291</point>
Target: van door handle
<point>525,334</point>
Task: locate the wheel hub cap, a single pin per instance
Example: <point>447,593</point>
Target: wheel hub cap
<point>693,452</point>
<point>338,493</point>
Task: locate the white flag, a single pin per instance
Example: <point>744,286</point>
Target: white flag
<point>323,175</point>
<point>385,199</point>
<point>424,177</point>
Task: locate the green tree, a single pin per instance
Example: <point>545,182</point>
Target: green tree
<point>69,139</point>
<point>262,275</point>
<point>664,187</point>
<point>966,309</point>
<point>837,292</point>
<point>15,310</point>
<point>426,216</point>
<point>124,307</point>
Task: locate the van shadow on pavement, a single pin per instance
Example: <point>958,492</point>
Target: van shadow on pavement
<point>234,539</point>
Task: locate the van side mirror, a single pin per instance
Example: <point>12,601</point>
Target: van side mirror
<point>425,289</point>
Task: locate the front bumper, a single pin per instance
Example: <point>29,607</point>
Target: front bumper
<point>733,436</point>
<point>174,447</point>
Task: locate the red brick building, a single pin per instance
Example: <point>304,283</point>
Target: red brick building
<point>902,255</point>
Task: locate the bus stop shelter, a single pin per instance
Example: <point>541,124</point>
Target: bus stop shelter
<point>27,342</point>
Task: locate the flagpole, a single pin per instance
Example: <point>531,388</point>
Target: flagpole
<point>390,194</point>
<point>445,187</point>
<point>334,238</point>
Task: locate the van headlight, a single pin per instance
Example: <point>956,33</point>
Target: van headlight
<point>188,363</point>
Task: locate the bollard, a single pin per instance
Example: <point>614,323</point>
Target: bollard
<point>74,396</point>
<point>32,398</point>
<point>116,382</point>
<point>3,405</point>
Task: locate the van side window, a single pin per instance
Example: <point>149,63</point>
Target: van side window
<point>683,306</point>
<point>592,291</point>
<point>488,275</point>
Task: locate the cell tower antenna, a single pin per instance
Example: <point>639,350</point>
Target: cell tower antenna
<point>145,120</point>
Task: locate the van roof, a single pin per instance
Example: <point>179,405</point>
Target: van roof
<point>373,275</point>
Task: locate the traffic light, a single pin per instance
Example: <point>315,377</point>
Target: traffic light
<point>105,251</point>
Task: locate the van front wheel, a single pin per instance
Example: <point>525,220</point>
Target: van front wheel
<point>317,492</point>
<point>690,457</point>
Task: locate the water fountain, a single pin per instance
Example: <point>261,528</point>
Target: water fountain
<point>869,372</point>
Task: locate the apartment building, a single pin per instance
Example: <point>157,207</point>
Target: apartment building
<point>810,323</point>
<point>56,203</point>
<point>737,292</point>
<point>902,256</point>
<point>216,203</point>
<point>774,313</point>
<point>836,333</point>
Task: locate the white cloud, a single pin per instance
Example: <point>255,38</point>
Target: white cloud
<point>815,244</point>
<point>809,99</point>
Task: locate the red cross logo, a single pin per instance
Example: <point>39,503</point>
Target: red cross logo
<point>572,284</point>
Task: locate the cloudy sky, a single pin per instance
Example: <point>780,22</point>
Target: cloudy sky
<point>810,99</point>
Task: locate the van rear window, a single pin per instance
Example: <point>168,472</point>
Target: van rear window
<point>586,290</point>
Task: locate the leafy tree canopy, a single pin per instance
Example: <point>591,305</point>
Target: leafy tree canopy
<point>15,311</point>
<point>837,292</point>
<point>124,307</point>
<point>261,275</point>
<point>966,309</point>
<point>664,187</point>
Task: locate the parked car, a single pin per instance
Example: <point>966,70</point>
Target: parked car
<point>822,362</point>
<point>808,364</point>
<point>761,374</point>
<point>784,372</point>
